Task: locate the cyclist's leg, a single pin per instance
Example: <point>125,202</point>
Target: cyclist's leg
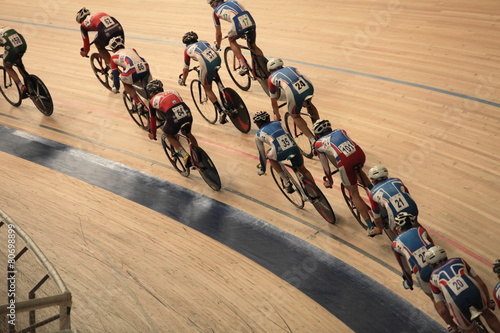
<point>312,109</point>
<point>232,37</point>
<point>491,320</point>
<point>302,125</point>
<point>298,162</point>
<point>8,60</point>
<point>251,39</point>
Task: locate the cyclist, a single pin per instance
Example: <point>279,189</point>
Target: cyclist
<point>176,113</point>
<point>135,68</point>
<point>282,148</point>
<point>455,284</point>
<point>408,247</point>
<point>298,91</point>
<point>14,48</point>
<point>496,289</point>
<point>389,195</point>
<point>241,22</point>
<point>106,26</point>
<point>336,146</point>
<point>209,60</point>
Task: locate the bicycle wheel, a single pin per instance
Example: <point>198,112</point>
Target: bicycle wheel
<point>40,96</point>
<point>319,201</point>
<point>296,196</point>
<point>233,66</point>
<point>174,157</point>
<point>100,69</point>
<point>207,169</point>
<point>355,212</point>
<point>9,89</point>
<point>238,111</point>
<point>302,140</point>
<point>203,104</point>
<point>140,118</point>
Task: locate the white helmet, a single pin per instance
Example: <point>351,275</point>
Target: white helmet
<point>82,14</point>
<point>274,64</point>
<point>435,254</point>
<point>378,172</point>
<point>403,219</point>
<point>321,125</point>
<point>116,43</point>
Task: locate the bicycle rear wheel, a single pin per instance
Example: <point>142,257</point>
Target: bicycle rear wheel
<point>296,196</point>
<point>238,111</point>
<point>203,104</point>
<point>319,201</point>
<point>40,96</point>
<point>207,169</point>
<point>354,210</point>
<point>174,157</point>
<point>9,88</point>
<point>141,118</point>
<point>233,66</point>
<point>100,69</point>
<point>300,138</point>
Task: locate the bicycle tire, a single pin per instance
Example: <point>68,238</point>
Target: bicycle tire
<point>296,196</point>
<point>174,158</point>
<point>141,119</point>
<point>204,106</point>
<point>355,212</point>
<point>232,64</point>
<point>238,112</point>
<point>300,139</point>
<point>9,89</point>
<point>319,201</point>
<point>100,70</point>
<point>207,169</point>
<point>40,96</point>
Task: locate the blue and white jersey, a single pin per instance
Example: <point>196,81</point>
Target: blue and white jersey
<point>280,141</point>
<point>412,245</point>
<point>496,294</point>
<point>394,197</point>
<point>201,51</point>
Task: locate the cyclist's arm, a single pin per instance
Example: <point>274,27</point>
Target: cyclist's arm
<point>401,261</point>
<point>86,41</point>
<point>185,69</point>
<point>262,152</point>
<point>326,166</point>
<point>218,35</point>
<point>152,120</point>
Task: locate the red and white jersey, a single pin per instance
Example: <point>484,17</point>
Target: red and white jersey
<point>129,60</point>
<point>166,100</point>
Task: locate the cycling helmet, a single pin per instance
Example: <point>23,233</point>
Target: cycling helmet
<point>210,2</point>
<point>82,14</point>
<point>321,126</point>
<point>435,254</point>
<point>154,87</point>
<point>190,38</point>
<point>261,117</point>
<point>496,266</point>
<point>274,64</point>
<point>116,43</point>
<point>403,219</point>
<point>378,172</point>
<point>2,31</point>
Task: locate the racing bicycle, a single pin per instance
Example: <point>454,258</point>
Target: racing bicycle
<point>36,89</point>
<point>232,104</point>
<point>198,157</point>
<point>303,190</point>
<point>257,68</point>
<point>300,138</point>
<point>364,191</point>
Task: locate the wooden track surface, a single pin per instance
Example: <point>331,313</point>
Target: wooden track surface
<point>416,85</point>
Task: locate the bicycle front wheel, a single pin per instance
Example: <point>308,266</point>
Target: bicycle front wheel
<point>300,138</point>
<point>9,89</point>
<point>233,66</point>
<point>40,96</point>
<point>174,157</point>
<point>319,201</point>
<point>205,107</point>
<point>238,111</point>
<point>207,169</point>
<point>141,118</point>
<point>295,197</point>
<point>354,210</point>
<point>100,69</point>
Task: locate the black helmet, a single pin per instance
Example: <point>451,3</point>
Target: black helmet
<point>190,38</point>
<point>261,117</point>
<point>154,87</point>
